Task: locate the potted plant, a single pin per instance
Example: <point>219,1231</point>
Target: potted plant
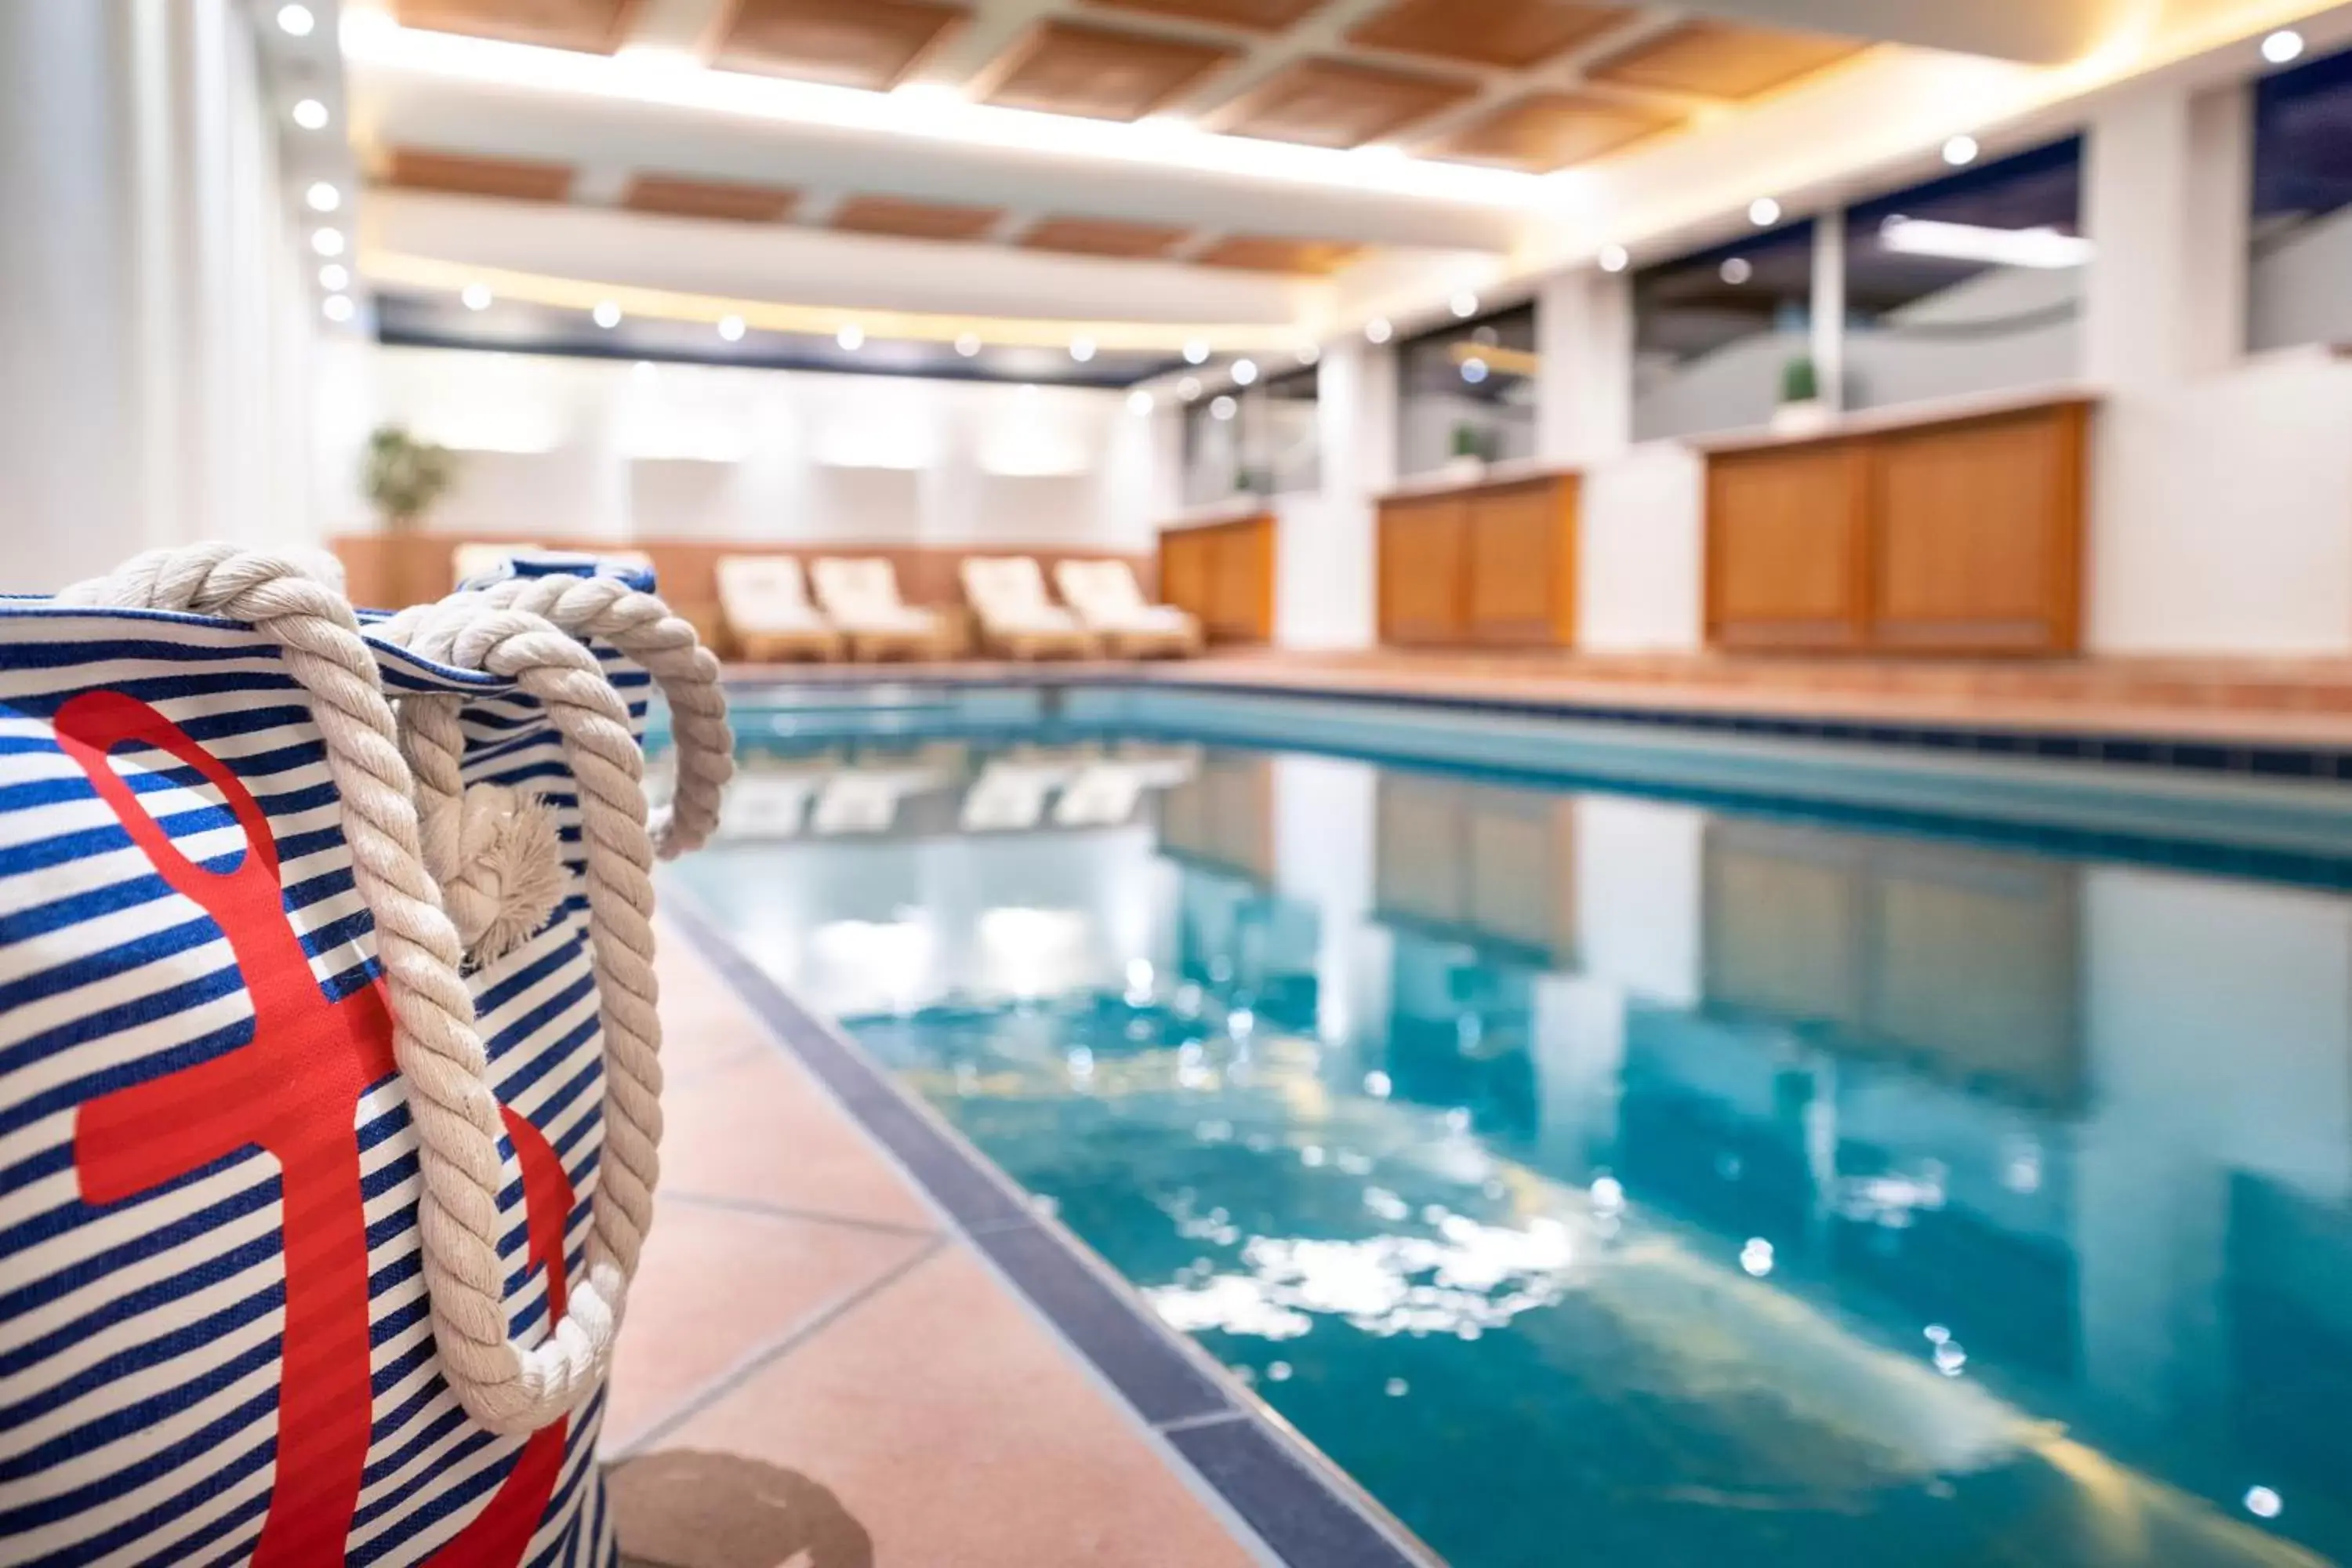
<point>1801,408</point>
<point>401,478</point>
<point>1470,448</point>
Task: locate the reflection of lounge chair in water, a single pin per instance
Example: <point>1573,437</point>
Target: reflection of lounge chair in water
<point>1104,792</point>
<point>1010,793</point>
<point>866,800</point>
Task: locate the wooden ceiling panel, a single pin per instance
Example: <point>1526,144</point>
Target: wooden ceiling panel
<point>1546,130</point>
<point>1256,15</point>
<point>853,43</point>
<point>1103,236</point>
<point>914,220</point>
<point>1259,253</point>
<point>1331,103</point>
<point>599,27</point>
<point>682,197</point>
<point>1721,59</point>
<point>1509,34</point>
<point>467,174</point>
<point>1065,67</point>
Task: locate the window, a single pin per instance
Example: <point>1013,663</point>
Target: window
<point>2299,274</point>
<point>1254,440</point>
<point>1969,283</point>
<point>1467,390</point>
<point>1718,336</point>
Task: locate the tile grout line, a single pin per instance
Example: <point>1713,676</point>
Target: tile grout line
<point>766,1356</point>
<point>724,1204</point>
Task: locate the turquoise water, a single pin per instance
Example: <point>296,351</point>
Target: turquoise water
<point>1604,1175</point>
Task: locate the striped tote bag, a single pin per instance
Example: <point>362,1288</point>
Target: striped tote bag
<point>327,1059</point>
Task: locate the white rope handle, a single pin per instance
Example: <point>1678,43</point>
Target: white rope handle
<point>642,627</point>
<point>503,1385</point>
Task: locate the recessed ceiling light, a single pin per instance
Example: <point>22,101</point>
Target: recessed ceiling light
<point>1082,349</point>
<point>607,314</point>
<point>967,345</point>
<point>1189,388</point>
<point>644,370</point>
<point>1612,258</point>
<point>1244,371</point>
<point>477,296</point>
<point>323,197</point>
<point>1465,303</point>
<point>336,307</point>
<point>1309,352</point>
<point>327,241</point>
<point>334,278</point>
<point>296,21</point>
<point>850,337</point>
<point>310,114</point>
<point>1196,352</point>
<point>1377,329</point>
<point>732,327</point>
<point>1139,402</point>
<point>1736,270</point>
<point>1763,212</point>
<point>2282,46</point>
<point>1959,149</point>
<point>1222,406</point>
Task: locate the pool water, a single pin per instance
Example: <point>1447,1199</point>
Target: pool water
<point>1602,1177</point>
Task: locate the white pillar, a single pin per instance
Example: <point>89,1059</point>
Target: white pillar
<point>143,286</point>
<point>1829,307</point>
<point>1584,377</point>
<point>1324,576</point>
<point>2165,202</point>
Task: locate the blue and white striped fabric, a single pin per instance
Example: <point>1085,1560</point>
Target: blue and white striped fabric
<point>142,1336</point>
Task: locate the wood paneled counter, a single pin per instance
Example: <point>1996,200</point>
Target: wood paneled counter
<point>1222,570</point>
<point>1487,564</point>
<point>1956,532</point>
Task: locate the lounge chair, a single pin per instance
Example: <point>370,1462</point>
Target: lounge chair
<point>860,595</point>
<point>1105,595</point>
<point>1015,617</point>
<point>766,603</point>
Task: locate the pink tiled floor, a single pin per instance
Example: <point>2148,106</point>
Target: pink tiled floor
<point>2251,699</point>
<point>815,1371</point>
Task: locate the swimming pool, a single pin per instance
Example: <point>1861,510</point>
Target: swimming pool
<point>1653,1169</point>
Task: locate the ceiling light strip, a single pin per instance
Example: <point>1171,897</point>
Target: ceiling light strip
<point>674,80</point>
<point>392,269</point>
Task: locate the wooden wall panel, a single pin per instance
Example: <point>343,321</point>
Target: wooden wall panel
<point>1489,565</point>
<point>1421,569</point>
<point>1223,574</point>
<point>1787,534</point>
<point>1521,563</point>
<point>1980,534</point>
<point>1963,535</point>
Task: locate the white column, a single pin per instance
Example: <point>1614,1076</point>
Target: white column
<point>1829,306</point>
<point>1585,380</point>
<point>2164,201</point>
<point>1324,578</point>
<point>144,323</point>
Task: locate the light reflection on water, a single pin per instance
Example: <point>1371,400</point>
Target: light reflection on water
<point>1592,1175</point>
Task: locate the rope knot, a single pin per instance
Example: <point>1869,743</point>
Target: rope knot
<point>510,875</point>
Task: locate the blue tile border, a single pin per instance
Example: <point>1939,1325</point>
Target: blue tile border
<point>1306,1511</point>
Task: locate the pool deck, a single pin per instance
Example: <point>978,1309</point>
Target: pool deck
<point>2255,702</point>
<point>869,1349</point>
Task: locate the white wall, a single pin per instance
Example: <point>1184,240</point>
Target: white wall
<point>154,317</point>
<point>2297,292</point>
<point>599,448</point>
<point>1642,517</point>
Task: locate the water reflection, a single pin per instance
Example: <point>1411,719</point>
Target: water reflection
<point>1595,1176</point>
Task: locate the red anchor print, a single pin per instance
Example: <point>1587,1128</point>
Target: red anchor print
<point>293,1091</point>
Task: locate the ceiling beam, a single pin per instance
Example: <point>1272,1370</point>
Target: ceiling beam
<point>2037,32</point>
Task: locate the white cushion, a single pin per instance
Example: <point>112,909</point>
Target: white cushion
<point>861,593</point>
<point>1105,594</point>
<point>765,594</point>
